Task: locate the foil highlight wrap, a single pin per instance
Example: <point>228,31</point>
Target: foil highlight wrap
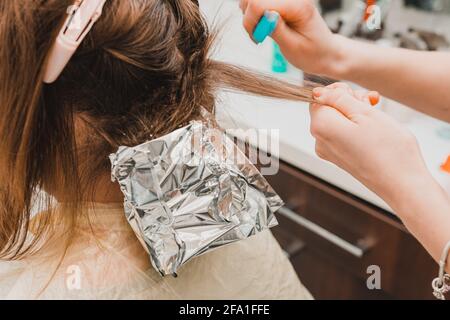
<point>189,192</point>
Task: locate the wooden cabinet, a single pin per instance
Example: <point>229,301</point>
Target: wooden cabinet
<point>332,239</point>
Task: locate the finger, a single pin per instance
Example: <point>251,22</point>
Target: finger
<point>331,152</point>
<point>317,111</point>
<point>361,95</point>
<point>366,97</point>
<point>252,16</point>
<point>253,12</point>
<point>328,123</point>
<point>373,97</point>
<point>284,35</point>
<point>370,97</point>
<point>243,5</point>
<point>321,150</point>
<point>340,85</point>
<point>341,100</point>
<point>293,13</point>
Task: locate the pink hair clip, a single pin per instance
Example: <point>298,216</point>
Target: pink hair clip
<point>82,16</point>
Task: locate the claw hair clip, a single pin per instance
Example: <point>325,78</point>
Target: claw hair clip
<point>82,16</point>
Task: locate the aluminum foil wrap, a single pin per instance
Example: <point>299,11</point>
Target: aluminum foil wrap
<point>189,192</point>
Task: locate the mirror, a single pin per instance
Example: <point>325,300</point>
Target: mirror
<point>438,6</point>
<point>412,24</point>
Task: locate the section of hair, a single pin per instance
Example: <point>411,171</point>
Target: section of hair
<point>143,71</point>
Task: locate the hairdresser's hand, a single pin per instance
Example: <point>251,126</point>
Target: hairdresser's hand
<point>302,34</point>
<point>365,142</point>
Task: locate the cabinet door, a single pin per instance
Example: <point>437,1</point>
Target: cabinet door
<point>336,241</point>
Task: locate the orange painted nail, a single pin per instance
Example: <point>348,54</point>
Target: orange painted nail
<point>446,165</point>
<point>374,99</point>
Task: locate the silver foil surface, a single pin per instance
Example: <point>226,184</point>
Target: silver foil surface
<point>189,192</point>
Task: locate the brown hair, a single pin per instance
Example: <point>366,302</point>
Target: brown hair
<point>142,71</point>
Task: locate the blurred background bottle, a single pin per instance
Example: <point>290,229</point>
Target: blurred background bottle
<point>279,62</point>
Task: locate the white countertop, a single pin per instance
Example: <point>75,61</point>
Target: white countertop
<point>292,119</point>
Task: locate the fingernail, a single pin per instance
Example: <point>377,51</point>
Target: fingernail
<point>374,98</point>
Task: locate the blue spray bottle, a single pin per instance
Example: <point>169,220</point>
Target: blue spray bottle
<point>266,26</point>
<point>264,29</point>
<point>279,62</point>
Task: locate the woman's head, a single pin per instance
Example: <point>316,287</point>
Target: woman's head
<point>142,71</point>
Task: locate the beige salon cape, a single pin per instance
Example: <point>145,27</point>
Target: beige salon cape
<point>107,261</point>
